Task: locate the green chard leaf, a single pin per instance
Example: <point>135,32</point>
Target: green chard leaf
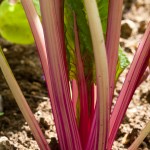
<point>103,11</point>
<point>123,62</point>
<point>14,26</point>
<point>37,6</point>
<point>77,7</point>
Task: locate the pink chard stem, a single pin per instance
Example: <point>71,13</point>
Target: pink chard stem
<point>74,94</point>
<point>60,23</point>
<point>112,41</point>
<point>38,34</point>
<point>134,75</point>
<point>56,76</point>
<point>145,76</point>
<point>94,135</point>
<point>64,115</point>
<point>83,124</point>
<point>37,30</point>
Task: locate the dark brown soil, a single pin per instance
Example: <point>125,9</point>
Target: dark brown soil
<point>15,133</point>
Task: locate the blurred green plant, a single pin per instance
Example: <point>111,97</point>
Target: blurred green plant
<point>14,25</point>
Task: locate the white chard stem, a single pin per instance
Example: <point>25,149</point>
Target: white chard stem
<point>102,79</point>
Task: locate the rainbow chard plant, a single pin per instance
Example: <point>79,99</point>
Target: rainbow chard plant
<point>78,45</point>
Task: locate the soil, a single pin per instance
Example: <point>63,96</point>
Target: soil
<point>15,133</point>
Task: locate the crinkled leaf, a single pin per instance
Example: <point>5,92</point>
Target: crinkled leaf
<point>123,62</point>
<point>14,26</point>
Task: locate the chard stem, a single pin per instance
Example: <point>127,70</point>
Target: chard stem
<point>102,79</point>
